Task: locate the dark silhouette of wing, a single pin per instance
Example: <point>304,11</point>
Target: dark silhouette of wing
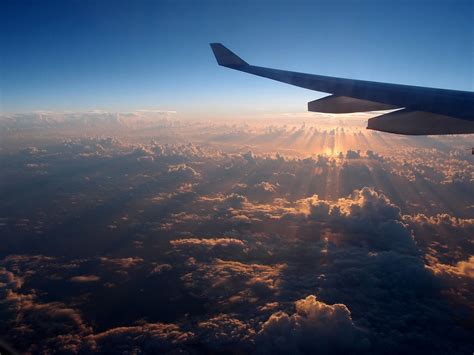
<point>424,110</point>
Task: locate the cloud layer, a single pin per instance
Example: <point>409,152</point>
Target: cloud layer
<point>233,237</point>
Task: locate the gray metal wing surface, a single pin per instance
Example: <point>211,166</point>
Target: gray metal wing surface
<point>421,110</point>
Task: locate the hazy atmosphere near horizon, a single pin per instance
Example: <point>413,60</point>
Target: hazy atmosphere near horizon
<point>154,202</point>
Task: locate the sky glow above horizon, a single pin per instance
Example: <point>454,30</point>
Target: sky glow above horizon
<point>123,55</point>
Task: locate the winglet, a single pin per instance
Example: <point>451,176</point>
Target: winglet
<point>225,57</point>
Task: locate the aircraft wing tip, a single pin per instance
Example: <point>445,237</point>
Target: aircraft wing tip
<point>226,57</point>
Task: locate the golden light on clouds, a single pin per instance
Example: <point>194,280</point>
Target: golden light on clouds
<point>232,232</point>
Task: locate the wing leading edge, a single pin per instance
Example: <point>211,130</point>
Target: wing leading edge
<point>425,111</point>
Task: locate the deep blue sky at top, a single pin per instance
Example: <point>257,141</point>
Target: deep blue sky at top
<point>127,55</point>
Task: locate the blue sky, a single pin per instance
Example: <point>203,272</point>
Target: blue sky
<point>127,55</point>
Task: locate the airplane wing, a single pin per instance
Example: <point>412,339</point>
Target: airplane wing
<point>421,110</point>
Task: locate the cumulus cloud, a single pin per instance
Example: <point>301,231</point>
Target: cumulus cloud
<point>223,332</point>
<point>249,156</point>
<point>461,269</point>
<point>466,267</point>
<point>445,238</point>
<point>458,284</point>
<point>9,281</point>
<point>314,325</point>
<point>266,186</point>
<point>351,154</point>
<point>122,262</point>
<point>182,171</point>
<point>366,217</point>
<point>232,200</point>
<point>209,247</point>
<point>203,235</point>
<point>231,281</point>
<point>37,324</point>
<point>85,278</point>
<point>140,339</point>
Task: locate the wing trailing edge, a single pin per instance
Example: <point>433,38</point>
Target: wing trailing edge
<point>419,123</point>
<point>344,104</point>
